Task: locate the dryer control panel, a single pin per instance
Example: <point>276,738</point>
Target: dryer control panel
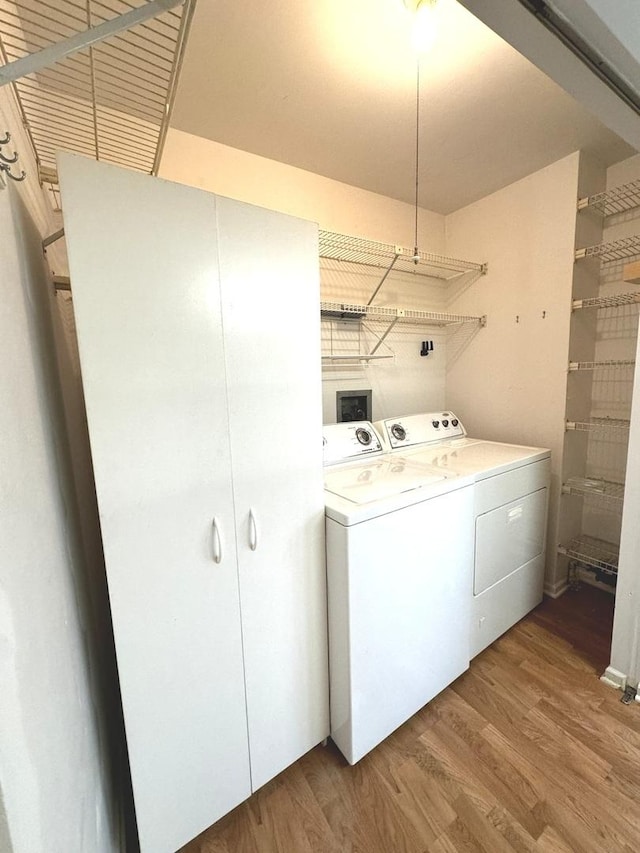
<point>426,427</point>
<point>348,441</point>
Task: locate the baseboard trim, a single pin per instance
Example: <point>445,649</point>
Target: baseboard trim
<point>614,678</point>
<point>557,589</point>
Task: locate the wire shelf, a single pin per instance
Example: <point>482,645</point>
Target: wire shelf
<point>111,100</point>
<point>355,357</point>
<point>595,424</point>
<point>611,364</point>
<point>586,487</point>
<point>617,250</point>
<point>617,200</point>
<point>606,301</point>
<point>357,250</point>
<point>592,553</point>
<point>378,312</point>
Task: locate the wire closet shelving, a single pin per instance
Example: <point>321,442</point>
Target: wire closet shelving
<point>617,200</point>
<point>592,553</point>
<point>596,424</point>
<point>605,490</point>
<point>609,364</point>
<point>111,99</point>
<point>371,253</point>
<point>616,250</point>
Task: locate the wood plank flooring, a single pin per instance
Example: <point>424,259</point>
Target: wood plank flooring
<point>527,751</point>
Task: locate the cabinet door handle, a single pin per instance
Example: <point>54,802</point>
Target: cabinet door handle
<point>217,542</point>
<point>253,531</point>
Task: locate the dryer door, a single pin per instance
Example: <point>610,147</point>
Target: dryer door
<point>508,537</point>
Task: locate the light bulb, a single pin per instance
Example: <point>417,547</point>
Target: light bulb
<point>425,28</point>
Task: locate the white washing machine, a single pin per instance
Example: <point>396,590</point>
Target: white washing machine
<point>399,556</point>
<point>510,513</point>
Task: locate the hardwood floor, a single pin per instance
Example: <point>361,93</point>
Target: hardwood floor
<point>527,751</point>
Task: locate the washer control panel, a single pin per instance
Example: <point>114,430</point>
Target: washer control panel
<point>411,430</point>
<point>348,441</point>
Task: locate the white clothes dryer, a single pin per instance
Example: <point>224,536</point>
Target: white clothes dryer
<point>399,555</point>
<point>510,513</point>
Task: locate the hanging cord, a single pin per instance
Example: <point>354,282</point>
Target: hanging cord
<point>416,256</point>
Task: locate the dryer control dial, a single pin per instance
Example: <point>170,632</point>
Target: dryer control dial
<point>445,423</point>
<point>399,432</point>
<point>435,424</point>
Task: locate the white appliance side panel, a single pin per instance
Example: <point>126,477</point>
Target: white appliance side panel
<point>403,634</point>
<point>498,608</point>
<point>507,537</point>
<point>267,261</point>
<point>143,262</point>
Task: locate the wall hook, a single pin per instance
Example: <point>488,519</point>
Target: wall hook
<point>6,139</point>
<point>9,159</point>
<point>7,170</point>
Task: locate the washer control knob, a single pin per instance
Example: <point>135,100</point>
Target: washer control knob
<point>445,423</point>
<point>454,422</point>
<point>436,424</point>
<point>363,436</point>
<point>399,432</point>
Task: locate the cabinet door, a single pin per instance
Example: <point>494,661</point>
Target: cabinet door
<point>270,293</point>
<point>144,272</point>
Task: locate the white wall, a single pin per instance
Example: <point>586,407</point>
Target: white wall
<point>401,385</point>
<point>509,383</point>
<point>54,785</point>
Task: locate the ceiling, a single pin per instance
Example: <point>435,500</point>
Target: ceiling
<point>330,87</point>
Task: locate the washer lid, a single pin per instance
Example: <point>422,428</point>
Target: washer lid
<point>380,478</point>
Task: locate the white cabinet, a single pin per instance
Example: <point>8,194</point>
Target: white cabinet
<point>211,501</point>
